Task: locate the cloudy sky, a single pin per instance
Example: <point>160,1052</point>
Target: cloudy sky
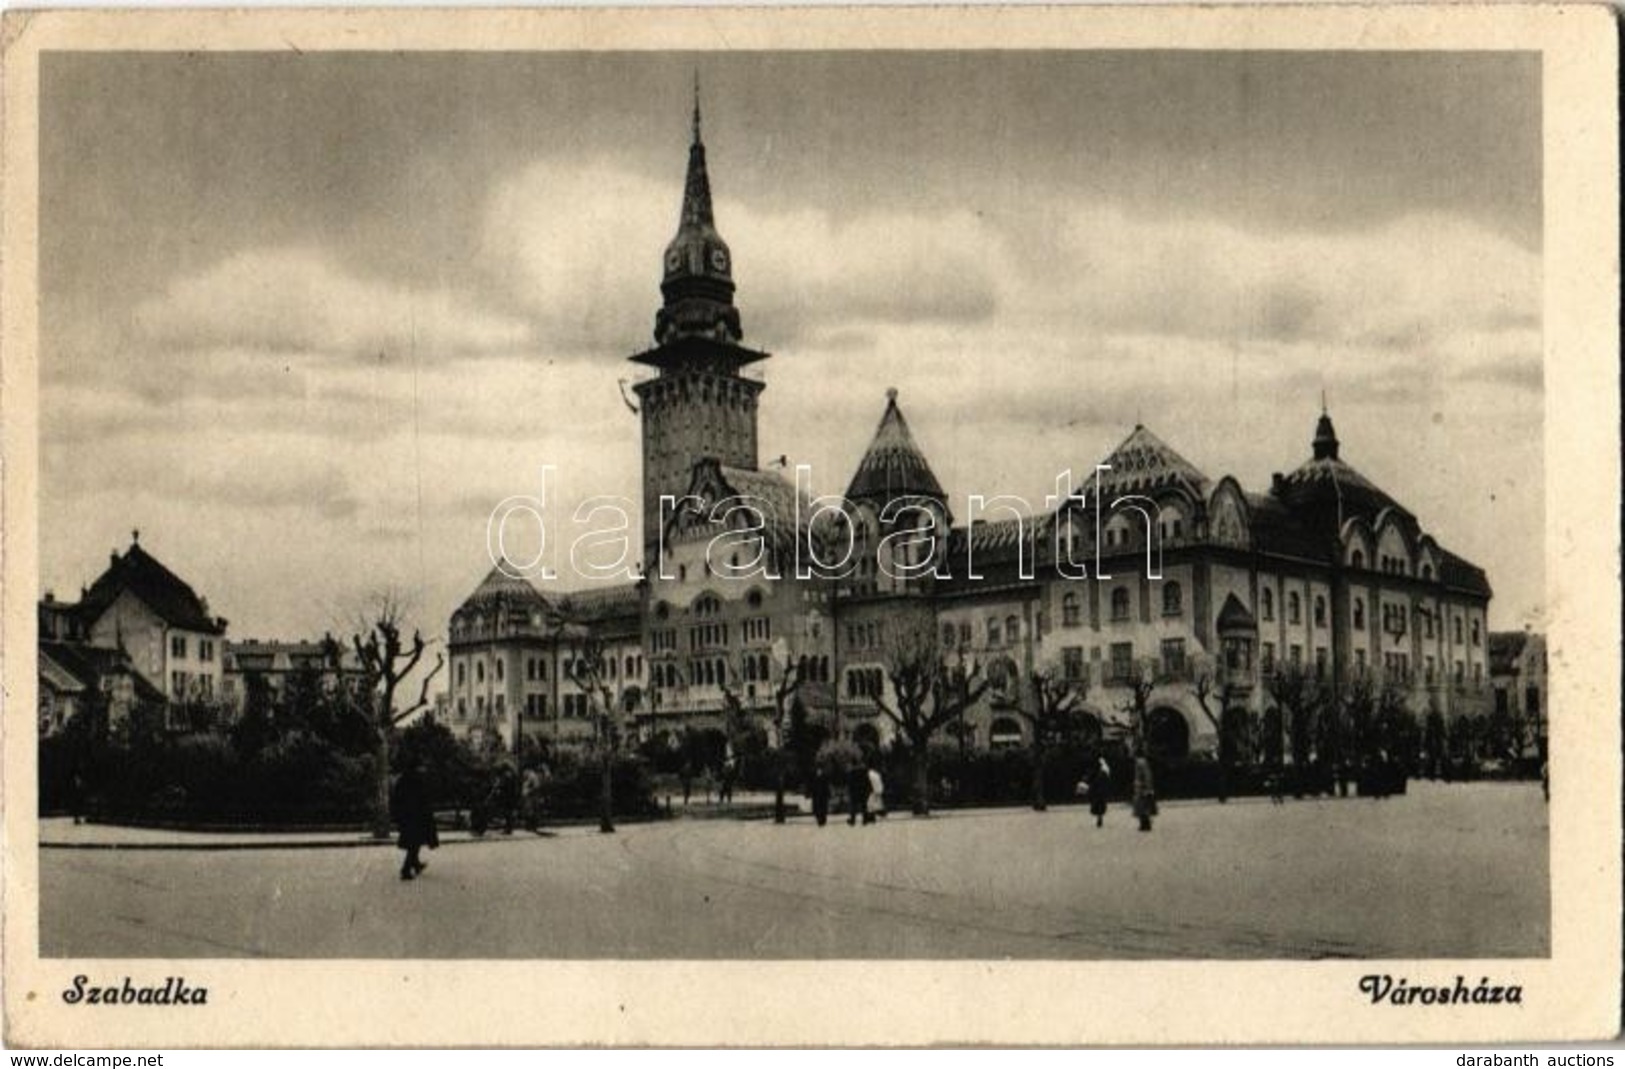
<point>307,318</point>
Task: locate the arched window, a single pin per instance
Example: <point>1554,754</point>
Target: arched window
<point>1359,613</point>
<point>1173,599</point>
<point>1357,560</point>
<point>761,666</point>
<point>1012,630</point>
<point>1458,629</point>
<point>1427,571</point>
<point>1294,608</point>
<point>1320,611</point>
<point>994,635</point>
<point>1267,603</point>
<point>630,671</point>
<point>499,671</point>
<point>1071,612</point>
<point>1004,733</point>
<point>462,673</point>
<point>948,636</point>
<point>479,671</point>
<point>1476,638</point>
<point>750,669</point>
<point>1120,603</point>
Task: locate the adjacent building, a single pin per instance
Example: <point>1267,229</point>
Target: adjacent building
<point>138,634</point>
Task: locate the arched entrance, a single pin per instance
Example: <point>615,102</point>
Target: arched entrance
<point>1167,735</point>
<point>1004,733</point>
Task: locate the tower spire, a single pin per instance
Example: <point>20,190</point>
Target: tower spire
<point>697,285</point>
<point>696,106</point>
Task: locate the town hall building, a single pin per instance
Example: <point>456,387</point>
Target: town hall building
<point>1155,575</point>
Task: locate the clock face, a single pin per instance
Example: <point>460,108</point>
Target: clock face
<point>674,259</point>
<point>719,260</point>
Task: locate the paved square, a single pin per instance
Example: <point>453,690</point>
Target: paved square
<point>1446,871</point>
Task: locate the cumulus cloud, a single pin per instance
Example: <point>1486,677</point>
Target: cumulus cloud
<point>303,300</point>
<point>578,249</point>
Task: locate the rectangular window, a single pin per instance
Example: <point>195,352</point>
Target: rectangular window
<point>1295,655</point>
<point>177,645</point>
<point>205,649</point>
<point>1266,657</point>
<point>1320,662</point>
<point>1359,664</point>
<point>1072,663</point>
<point>1122,662</point>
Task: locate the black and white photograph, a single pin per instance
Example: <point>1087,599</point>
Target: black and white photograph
<point>796,506</point>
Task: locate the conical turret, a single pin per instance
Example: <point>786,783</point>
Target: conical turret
<point>893,467</point>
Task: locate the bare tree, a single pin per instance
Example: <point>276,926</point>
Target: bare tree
<point>1298,696</point>
<point>931,688</point>
<point>1212,687</point>
<point>1141,685</point>
<point>388,659</point>
<point>1051,717</point>
<point>787,673</point>
<point>585,669</point>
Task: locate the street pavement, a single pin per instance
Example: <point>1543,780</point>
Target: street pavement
<point>1445,871</point>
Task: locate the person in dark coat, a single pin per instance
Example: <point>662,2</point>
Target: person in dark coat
<point>1145,792</point>
<point>1100,789</point>
<point>818,792</point>
<point>857,792</point>
<point>410,805</point>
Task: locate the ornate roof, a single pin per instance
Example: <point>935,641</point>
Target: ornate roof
<point>1143,463</point>
<point>1234,616</point>
<point>1327,483</point>
<point>893,467</point>
<point>498,589</point>
<point>160,589</point>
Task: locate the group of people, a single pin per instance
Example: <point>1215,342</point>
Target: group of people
<point>510,798</point>
<point>1097,788</point>
<point>727,775</point>
<point>865,794</point>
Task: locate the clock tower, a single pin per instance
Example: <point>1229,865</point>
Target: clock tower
<point>698,406</point>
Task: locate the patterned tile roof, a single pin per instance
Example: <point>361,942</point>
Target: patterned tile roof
<point>1143,462</point>
<point>893,467</point>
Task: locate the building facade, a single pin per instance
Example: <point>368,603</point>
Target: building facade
<point>138,634</point>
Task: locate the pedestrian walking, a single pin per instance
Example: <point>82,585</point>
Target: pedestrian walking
<point>1145,792</point>
<point>413,811</point>
<point>503,795</point>
<point>874,802</point>
<point>857,792</point>
<point>818,792</point>
<point>530,797</point>
<point>1100,788</point>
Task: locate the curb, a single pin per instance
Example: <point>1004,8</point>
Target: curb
<point>282,844</point>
